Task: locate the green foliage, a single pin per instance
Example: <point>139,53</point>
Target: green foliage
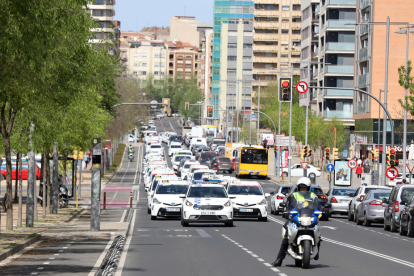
<point>118,156</point>
<point>406,81</point>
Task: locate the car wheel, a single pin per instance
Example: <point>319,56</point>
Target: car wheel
<point>354,215</point>
<point>410,229</point>
<point>263,219</point>
<point>285,174</point>
<point>148,211</point>
<point>393,228</point>
<point>350,216</point>
<point>153,217</point>
<point>312,175</point>
<point>401,231</point>
<point>276,213</point>
<point>367,223</point>
<point>358,221</point>
<point>229,224</point>
<point>386,227</point>
<point>271,210</point>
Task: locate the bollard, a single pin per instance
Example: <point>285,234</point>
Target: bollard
<point>130,201</point>
<point>104,200</point>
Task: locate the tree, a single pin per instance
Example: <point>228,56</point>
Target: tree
<point>406,81</point>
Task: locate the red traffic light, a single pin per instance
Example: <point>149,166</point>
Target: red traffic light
<point>392,151</point>
<point>327,149</point>
<point>210,108</point>
<point>285,84</point>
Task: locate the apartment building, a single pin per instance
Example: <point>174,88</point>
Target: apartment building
<point>225,12</point>
<point>277,39</point>
<point>336,59</point>
<point>370,71</point>
<point>205,63</point>
<point>187,28</point>
<point>107,29</point>
<point>182,59</point>
<point>236,68</point>
<point>309,50</point>
<point>147,58</point>
<point>125,38</point>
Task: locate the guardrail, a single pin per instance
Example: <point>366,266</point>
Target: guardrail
<point>111,260</point>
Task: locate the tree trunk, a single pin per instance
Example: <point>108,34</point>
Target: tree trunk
<point>43,179</point>
<point>17,177</point>
<point>49,207</point>
<point>20,211</point>
<point>55,189</point>
<point>65,156</point>
<point>9,189</point>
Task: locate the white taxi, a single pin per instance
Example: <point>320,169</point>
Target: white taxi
<point>194,167</point>
<point>157,180</point>
<point>174,148</point>
<point>248,200</point>
<point>154,173</point>
<point>206,203</point>
<point>166,201</point>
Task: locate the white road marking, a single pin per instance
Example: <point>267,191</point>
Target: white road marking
<point>56,254</point>
<point>52,258</point>
<point>275,269</point>
<point>282,274</point>
<point>267,264</point>
<point>46,263</point>
<point>33,273</point>
<point>60,251</point>
<point>103,254</point>
<point>40,268</point>
<point>260,259</point>
<point>125,252</point>
<point>123,216</point>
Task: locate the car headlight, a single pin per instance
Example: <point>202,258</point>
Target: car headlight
<point>188,203</point>
<point>263,202</point>
<point>156,201</point>
<point>227,204</point>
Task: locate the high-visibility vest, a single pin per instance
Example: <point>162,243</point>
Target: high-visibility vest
<point>300,198</point>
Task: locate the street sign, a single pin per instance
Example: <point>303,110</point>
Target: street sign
<point>304,165</point>
<point>345,153</point>
<point>410,168</point>
<point>352,164</point>
<point>155,104</point>
<point>330,168</point>
<point>302,87</point>
<point>391,172</point>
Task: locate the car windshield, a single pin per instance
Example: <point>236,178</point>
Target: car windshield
<point>154,185</point>
<point>371,189</point>
<point>218,142</point>
<point>186,166</point>
<point>217,192</point>
<point>194,169</point>
<point>245,190</point>
<point>342,192</point>
<point>224,159</point>
<point>155,147</point>
<point>179,158</point>
<point>316,190</point>
<point>176,138</point>
<point>254,156</point>
<point>184,153</point>
<point>199,175</point>
<point>208,155</point>
<point>172,189</point>
<point>406,194</point>
<point>285,190</point>
<point>199,146</point>
<point>381,195</point>
<point>176,147</point>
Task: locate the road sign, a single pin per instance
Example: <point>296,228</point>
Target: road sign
<point>345,153</point>
<point>410,168</point>
<point>352,164</point>
<point>302,87</point>
<point>304,165</point>
<point>391,172</point>
<point>153,102</point>
<point>330,168</point>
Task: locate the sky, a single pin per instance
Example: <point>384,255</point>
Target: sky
<point>136,14</point>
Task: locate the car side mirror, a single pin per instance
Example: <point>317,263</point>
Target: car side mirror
<point>182,196</point>
<point>403,202</point>
<point>384,200</point>
<point>267,194</point>
<point>282,204</point>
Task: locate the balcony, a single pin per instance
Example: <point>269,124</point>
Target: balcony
<point>265,25</point>
<point>266,13</point>
<point>339,46</point>
<point>339,24</point>
<point>265,59</point>
<point>296,14</point>
<point>364,3</point>
<point>264,48</point>
<point>339,69</point>
<point>363,80</point>
<point>264,71</point>
<point>101,7</point>
<point>341,3</point>
<point>363,54</point>
<point>296,37</point>
<point>272,2</point>
<point>338,114</point>
<point>265,37</point>
<point>336,93</point>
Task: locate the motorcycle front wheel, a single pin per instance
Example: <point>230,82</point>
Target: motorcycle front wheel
<point>306,254</point>
<point>63,203</point>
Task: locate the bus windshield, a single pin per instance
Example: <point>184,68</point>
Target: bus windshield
<point>253,156</point>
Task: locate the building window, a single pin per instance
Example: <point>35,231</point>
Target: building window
<point>188,66</point>
<point>162,64</point>
<point>135,73</point>
<point>247,59</point>
<point>270,7</point>
<point>142,55</point>
<point>156,73</point>
<point>231,72</point>
<point>188,58</point>
<point>285,8</point>
<point>296,7</point>
<point>232,46</point>
<point>284,55</point>
<point>232,34</point>
<point>135,54</point>
<point>143,64</point>
<point>247,46</point>
<point>156,64</point>
<point>180,65</point>
<point>142,73</point>
<point>285,31</point>
<point>232,58</point>
<point>135,63</point>
<point>247,72</point>
<point>180,57</point>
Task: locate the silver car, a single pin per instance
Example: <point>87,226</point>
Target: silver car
<point>371,208</point>
<point>277,198</point>
<point>339,197</point>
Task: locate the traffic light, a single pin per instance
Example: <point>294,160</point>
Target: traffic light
<point>351,152</point>
<point>388,153</point>
<point>187,105</point>
<point>210,111</point>
<point>305,151</point>
<point>309,152</point>
<point>376,153</point>
<point>329,177</point>
<point>285,89</point>
<point>327,157</point>
<point>393,157</point>
<point>335,153</point>
<point>372,155</point>
<point>302,153</point>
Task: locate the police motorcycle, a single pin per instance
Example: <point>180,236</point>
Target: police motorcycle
<point>304,234</point>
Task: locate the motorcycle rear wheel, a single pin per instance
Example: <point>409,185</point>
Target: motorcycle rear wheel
<point>306,254</point>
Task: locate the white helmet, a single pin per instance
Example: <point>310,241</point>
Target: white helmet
<point>304,181</point>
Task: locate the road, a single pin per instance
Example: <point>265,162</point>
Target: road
<point>163,246</point>
<point>248,248</point>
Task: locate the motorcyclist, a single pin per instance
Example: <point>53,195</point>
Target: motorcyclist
<point>303,193</point>
<point>130,150</point>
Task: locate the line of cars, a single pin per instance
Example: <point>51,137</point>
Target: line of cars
<point>197,194</point>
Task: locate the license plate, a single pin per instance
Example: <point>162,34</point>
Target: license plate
<point>173,209</point>
<point>208,213</point>
<point>344,201</point>
<point>246,210</point>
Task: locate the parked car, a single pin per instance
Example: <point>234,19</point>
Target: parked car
<point>297,170</point>
<point>399,196</point>
<point>407,219</point>
<point>221,164</point>
<point>15,173</point>
<point>358,196</point>
<point>371,208</point>
<point>339,198</point>
<point>277,198</point>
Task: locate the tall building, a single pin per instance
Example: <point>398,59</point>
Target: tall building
<point>336,59</point>
<point>236,65</point>
<point>182,59</point>
<point>205,63</point>
<point>370,70</point>
<point>277,39</point>
<point>310,50</point>
<point>107,30</point>
<point>187,28</point>
<point>225,12</point>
